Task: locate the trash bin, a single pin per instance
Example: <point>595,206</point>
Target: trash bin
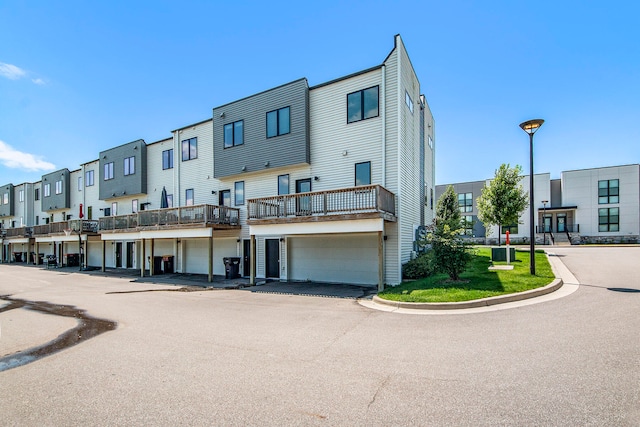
<point>157,265</point>
<point>167,264</point>
<point>17,256</point>
<point>231,267</point>
<point>73,260</point>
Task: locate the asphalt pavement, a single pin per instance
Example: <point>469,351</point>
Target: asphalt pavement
<point>236,357</point>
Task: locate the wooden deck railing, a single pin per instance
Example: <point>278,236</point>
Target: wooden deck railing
<point>18,232</point>
<point>362,199</point>
<point>185,215</point>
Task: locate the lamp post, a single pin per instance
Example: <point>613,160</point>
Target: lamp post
<point>530,127</point>
<point>544,224</point>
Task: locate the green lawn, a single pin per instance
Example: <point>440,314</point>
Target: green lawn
<point>476,282</point>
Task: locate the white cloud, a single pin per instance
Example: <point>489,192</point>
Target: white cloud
<point>38,81</point>
<point>12,158</point>
<point>11,71</point>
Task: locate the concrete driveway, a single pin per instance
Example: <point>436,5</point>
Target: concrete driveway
<point>232,357</point>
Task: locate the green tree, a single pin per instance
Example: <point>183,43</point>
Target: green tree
<point>450,253</point>
<point>503,200</point>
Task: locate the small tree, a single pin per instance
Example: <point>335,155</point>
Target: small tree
<point>450,253</point>
<point>503,200</point>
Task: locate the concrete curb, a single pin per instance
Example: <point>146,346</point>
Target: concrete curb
<point>484,302</point>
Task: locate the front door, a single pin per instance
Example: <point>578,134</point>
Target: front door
<point>246,260</point>
<point>130,254</point>
<point>547,224</point>
<point>303,203</point>
<point>562,223</point>
<point>118,254</point>
<point>272,257</point>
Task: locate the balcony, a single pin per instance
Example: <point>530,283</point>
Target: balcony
<point>369,201</point>
<point>18,232</point>
<point>182,217</point>
<point>85,227</point>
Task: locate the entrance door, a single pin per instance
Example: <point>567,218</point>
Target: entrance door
<point>246,260</point>
<point>118,254</point>
<point>130,254</point>
<point>272,257</point>
<point>562,223</point>
<point>547,224</point>
<point>303,203</point>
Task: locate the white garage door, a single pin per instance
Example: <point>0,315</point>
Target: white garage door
<point>196,252</point>
<point>349,258</point>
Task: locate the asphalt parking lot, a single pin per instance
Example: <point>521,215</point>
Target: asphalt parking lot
<point>252,357</point>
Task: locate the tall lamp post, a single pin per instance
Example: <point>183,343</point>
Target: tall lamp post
<point>530,127</point>
<point>544,224</point>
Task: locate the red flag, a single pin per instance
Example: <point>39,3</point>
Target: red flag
<point>81,215</point>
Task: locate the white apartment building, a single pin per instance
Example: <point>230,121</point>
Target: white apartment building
<point>325,183</point>
<point>598,205</point>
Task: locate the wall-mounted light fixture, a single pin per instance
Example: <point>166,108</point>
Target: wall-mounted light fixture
<point>282,239</point>
<point>214,192</point>
<point>238,241</point>
<point>113,194</point>
<point>315,178</point>
<point>266,164</point>
<point>244,168</point>
<point>135,147</point>
<point>222,115</point>
<point>345,152</point>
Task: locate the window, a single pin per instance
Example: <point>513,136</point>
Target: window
<point>108,171</point>
<point>512,229</point>
<point>465,202</point>
<point>430,142</point>
<point>129,166</point>
<point>234,134</point>
<point>283,184</point>
<point>363,173</point>
<point>467,224</point>
<point>608,191</point>
<point>278,122</point>
<point>79,183</point>
<point>37,220</point>
<point>169,200</point>
<point>114,208</point>
<point>238,190</point>
<point>47,190</point>
<point>107,211</point>
<point>58,187</point>
<point>88,178</point>
<point>188,197</point>
<point>431,198</point>
<point>134,206</point>
<point>167,159</point>
<point>189,149</point>
<point>362,104</point>
<point>225,198</point>
<point>5,198</point>
<point>89,212</point>
<point>408,101</point>
<point>609,219</point>
<point>21,196</point>
<point>36,194</point>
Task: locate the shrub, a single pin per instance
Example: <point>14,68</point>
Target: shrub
<point>420,267</point>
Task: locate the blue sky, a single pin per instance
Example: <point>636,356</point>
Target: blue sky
<point>79,77</point>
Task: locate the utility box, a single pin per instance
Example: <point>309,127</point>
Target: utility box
<point>500,253</point>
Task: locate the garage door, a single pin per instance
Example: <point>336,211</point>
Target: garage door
<point>334,258</point>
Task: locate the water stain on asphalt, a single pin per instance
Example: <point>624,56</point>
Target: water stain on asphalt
<point>88,327</point>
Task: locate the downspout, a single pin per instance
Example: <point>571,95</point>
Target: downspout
<point>384,125</point>
<point>399,158</point>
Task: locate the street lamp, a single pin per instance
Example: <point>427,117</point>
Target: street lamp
<point>544,224</point>
<point>530,127</point>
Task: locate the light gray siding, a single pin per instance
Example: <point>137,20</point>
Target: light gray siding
<point>258,152</point>
<point>121,185</point>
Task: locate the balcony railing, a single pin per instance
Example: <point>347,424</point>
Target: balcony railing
<point>568,228</point>
<point>355,200</point>
<point>185,215</point>
<point>84,225</point>
<point>18,232</point>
